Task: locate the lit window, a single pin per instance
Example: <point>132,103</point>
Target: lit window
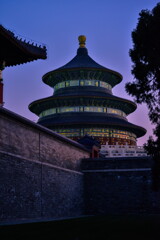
<point>96,83</point>
<point>86,109</point>
<point>81,109</point>
<point>99,109</point>
<point>82,82</point>
<point>88,83</point>
<point>62,85</point>
<point>74,83</point>
<point>67,83</point>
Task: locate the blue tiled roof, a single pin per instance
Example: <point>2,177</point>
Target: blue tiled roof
<point>82,59</point>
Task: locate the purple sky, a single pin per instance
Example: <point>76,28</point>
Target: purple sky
<point>107,25</point>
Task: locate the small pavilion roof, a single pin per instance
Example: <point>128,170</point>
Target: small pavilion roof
<point>89,141</point>
<point>15,51</point>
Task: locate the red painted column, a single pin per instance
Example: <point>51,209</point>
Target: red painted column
<point>2,66</point>
<point>1,93</point>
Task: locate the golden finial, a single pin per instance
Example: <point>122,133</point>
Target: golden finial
<point>82,41</point>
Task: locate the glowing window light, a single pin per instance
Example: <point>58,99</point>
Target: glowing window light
<point>72,83</point>
<point>81,109</point>
<point>98,132</point>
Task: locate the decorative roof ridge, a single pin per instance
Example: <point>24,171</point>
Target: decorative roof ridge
<point>16,38</point>
<point>30,47</point>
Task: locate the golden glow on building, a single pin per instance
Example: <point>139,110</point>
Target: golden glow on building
<point>74,83</point>
<point>83,103</point>
<point>116,135</point>
<point>82,109</point>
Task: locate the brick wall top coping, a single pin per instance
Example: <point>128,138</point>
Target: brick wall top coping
<point>119,158</point>
<point>117,163</point>
<point>10,114</point>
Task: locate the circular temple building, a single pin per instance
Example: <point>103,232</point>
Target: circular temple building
<point>83,103</point>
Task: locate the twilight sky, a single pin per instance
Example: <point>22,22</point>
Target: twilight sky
<point>107,25</point>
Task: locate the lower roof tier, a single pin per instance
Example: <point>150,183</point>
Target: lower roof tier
<point>102,120</point>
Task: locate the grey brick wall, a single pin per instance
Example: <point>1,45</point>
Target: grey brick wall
<point>24,138</point>
<point>120,186</point>
<point>39,171</point>
<point>42,175</point>
<point>30,190</point>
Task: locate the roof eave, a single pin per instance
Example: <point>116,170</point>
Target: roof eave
<point>29,52</point>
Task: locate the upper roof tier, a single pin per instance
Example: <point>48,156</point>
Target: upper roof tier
<point>82,61</point>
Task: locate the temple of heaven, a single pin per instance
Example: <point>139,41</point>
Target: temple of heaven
<point>83,103</point>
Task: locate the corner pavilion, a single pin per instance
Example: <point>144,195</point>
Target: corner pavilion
<point>83,103</point>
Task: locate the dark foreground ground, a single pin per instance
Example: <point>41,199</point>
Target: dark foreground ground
<point>86,228</point>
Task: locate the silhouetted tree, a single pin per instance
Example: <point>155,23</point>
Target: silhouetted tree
<point>145,56</point>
